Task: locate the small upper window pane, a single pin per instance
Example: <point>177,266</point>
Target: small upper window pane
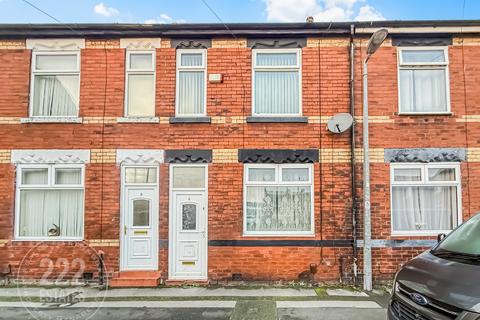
<point>35,176</point>
<point>408,174</point>
<point>441,174</point>
<point>68,176</point>
<point>140,61</point>
<point>189,177</point>
<point>276,59</point>
<point>425,56</point>
<point>191,60</point>
<point>140,175</point>
<point>261,174</point>
<point>295,174</point>
<point>56,62</point>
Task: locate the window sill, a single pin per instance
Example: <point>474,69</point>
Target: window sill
<point>51,120</point>
<point>418,234</point>
<point>138,120</point>
<point>174,120</point>
<point>260,119</point>
<point>279,235</point>
<point>47,240</point>
<point>423,114</point>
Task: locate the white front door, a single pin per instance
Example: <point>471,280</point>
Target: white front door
<point>188,244</point>
<point>140,229</point>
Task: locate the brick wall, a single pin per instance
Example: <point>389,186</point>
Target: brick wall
<point>325,79</point>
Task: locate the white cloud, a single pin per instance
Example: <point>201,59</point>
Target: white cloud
<point>163,18</point>
<point>103,10</point>
<point>321,10</point>
<point>368,13</point>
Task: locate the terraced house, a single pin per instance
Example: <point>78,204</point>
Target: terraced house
<point>195,152</point>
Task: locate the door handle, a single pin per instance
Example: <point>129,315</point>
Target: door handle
<point>125,229</point>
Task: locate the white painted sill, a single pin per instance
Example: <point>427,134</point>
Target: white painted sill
<point>419,234</point>
<point>138,120</point>
<point>425,113</point>
<point>51,120</point>
<point>278,235</point>
<point>47,240</point>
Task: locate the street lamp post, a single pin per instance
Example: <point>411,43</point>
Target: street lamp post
<point>374,43</point>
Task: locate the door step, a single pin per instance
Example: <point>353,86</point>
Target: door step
<point>175,282</point>
<point>126,279</point>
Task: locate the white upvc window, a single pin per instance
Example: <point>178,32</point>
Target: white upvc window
<point>55,84</point>
<point>425,198</point>
<point>278,200</point>
<point>140,84</point>
<point>423,80</point>
<point>49,202</point>
<point>277,84</point>
<point>191,89</point>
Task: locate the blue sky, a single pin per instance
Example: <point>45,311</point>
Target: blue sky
<point>193,11</point>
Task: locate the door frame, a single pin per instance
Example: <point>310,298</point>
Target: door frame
<point>171,207</point>
<point>124,207</point>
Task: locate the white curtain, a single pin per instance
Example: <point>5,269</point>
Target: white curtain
<point>191,60</point>
<point>191,92</point>
<point>424,208</point>
<point>277,59</point>
<point>55,95</point>
<point>276,92</point>
<point>141,95</point>
<point>278,208</point>
<point>423,90</point>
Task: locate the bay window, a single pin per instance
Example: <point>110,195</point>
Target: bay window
<point>191,82</point>
<point>49,202</point>
<point>55,84</point>
<point>140,83</point>
<point>423,80</point>
<point>425,198</point>
<point>278,199</point>
<point>276,82</point>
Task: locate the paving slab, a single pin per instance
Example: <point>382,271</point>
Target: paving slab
<point>329,304</point>
<point>345,293</point>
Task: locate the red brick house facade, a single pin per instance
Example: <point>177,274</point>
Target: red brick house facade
<point>202,155</point>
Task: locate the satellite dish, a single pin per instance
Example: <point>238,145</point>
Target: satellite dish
<point>340,122</point>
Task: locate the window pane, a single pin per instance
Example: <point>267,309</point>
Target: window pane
<point>277,92</point>
<point>441,174</point>
<point>56,62</point>
<point>34,176</point>
<point>141,213</point>
<point>189,216</point>
<point>278,208</point>
<point>140,175</point>
<point>141,61</point>
<point>68,176</point>
<point>407,174</point>
<point>259,174</point>
<point>295,174</point>
<point>141,95</point>
<point>423,90</point>
<point>55,96</point>
<point>189,177</point>
<point>276,59</point>
<point>191,60</point>
<point>191,87</point>
<point>51,213</point>
<point>423,56</point>
<point>466,239</point>
<point>424,208</point>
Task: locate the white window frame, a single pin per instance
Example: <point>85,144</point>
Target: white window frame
<point>427,66</point>
<point>181,68</point>
<point>425,182</point>
<point>51,185</point>
<point>297,67</point>
<point>278,182</point>
<point>128,72</point>
<point>35,72</point>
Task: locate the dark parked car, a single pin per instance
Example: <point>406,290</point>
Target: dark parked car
<point>441,283</point>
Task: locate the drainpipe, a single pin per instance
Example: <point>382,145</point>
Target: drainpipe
<point>352,155</point>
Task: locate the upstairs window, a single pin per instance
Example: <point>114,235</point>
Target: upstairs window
<point>278,199</point>
<point>55,84</point>
<point>276,82</point>
<point>191,82</point>
<point>423,80</point>
<point>425,198</point>
<point>140,83</point>
<point>50,202</point>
